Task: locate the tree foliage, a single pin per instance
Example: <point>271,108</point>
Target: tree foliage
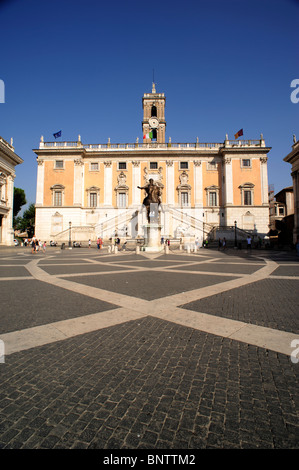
<point>27,222</point>
<point>19,200</point>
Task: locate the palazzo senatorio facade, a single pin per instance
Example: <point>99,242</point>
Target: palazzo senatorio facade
<point>92,189</point>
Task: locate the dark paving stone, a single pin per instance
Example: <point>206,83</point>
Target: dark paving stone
<point>190,257</point>
<point>60,261</point>
<point>119,257</point>
<point>22,261</point>
<point>13,271</point>
<point>221,268</point>
<point>149,286</point>
<point>82,268</point>
<point>150,264</point>
<point>149,383</point>
<point>29,303</point>
<point>291,270</point>
<point>270,303</point>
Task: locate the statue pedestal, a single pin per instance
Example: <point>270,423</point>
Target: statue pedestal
<point>152,235</point>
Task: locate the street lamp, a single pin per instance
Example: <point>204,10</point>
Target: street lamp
<point>235,234</point>
<point>70,228</point>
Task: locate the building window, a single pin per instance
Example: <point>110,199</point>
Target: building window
<point>57,194</point>
<point>94,166</point>
<point>184,198</point>
<point>279,211</point>
<point>122,165</point>
<point>57,198</point>
<point>93,196</point>
<point>153,165</point>
<point>154,135</point>
<point>247,197</point>
<point>211,166</point>
<point>247,194</point>
<point>93,199</point>
<point>122,200</point>
<point>59,165</point>
<point>246,163</point>
<point>184,165</point>
<point>154,111</point>
<point>212,198</point>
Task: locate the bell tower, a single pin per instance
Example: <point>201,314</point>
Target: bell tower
<point>153,124</point>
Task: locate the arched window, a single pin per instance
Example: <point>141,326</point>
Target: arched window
<point>154,111</point>
<point>154,134</point>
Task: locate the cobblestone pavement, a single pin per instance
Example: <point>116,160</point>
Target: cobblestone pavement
<point>127,351</point>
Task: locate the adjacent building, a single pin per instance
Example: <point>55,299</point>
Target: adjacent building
<point>92,189</point>
<point>8,161</point>
<point>293,159</point>
<point>281,205</point>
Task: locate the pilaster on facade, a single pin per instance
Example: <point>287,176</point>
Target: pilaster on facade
<point>264,181</point>
<point>136,181</point>
<point>170,183</point>
<point>198,184</point>
<point>78,182</point>
<point>228,184</point>
<point>108,183</point>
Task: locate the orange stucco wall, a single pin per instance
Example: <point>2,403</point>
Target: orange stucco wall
<point>93,178</point>
<point>64,177</point>
<point>211,178</point>
<point>247,175</point>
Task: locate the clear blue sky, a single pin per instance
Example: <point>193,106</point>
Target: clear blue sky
<point>83,66</point>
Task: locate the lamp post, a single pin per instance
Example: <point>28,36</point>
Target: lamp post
<point>235,234</point>
<point>70,240</point>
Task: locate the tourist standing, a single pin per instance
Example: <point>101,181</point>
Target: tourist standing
<point>249,243</point>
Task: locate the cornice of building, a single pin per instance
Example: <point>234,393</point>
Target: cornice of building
<point>8,152</point>
<point>294,154</point>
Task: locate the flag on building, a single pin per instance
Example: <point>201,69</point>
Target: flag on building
<point>148,136</point>
<point>57,134</point>
<point>239,133</point>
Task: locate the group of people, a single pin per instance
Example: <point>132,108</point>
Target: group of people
<point>222,244</point>
<point>37,245</point>
<point>99,243</point>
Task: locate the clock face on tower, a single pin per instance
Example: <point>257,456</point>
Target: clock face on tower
<point>153,122</point>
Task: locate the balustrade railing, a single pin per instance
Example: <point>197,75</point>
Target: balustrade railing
<point>192,146</point>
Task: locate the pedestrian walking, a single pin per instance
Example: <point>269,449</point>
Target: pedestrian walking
<point>33,244</point>
<point>219,244</point>
<point>89,243</point>
<point>224,244</point>
<point>249,243</point>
